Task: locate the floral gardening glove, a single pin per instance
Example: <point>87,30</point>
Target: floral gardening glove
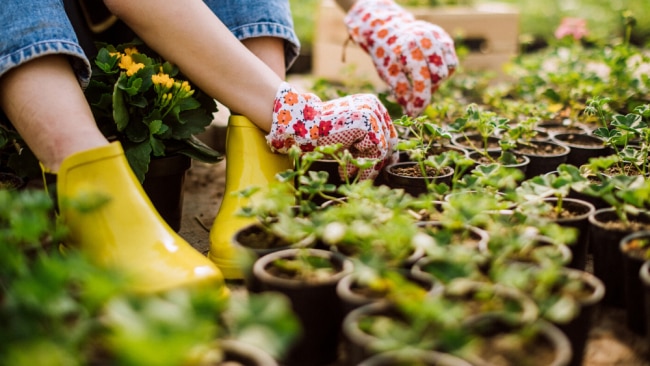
<point>412,56</point>
<point>359,122</point>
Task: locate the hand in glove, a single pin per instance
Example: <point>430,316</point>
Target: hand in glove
<point>412,56</point>
<point>359,122</point>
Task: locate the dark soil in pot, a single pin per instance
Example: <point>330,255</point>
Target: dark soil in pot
<point>545,156</point>
<point>557,127</point>
<point>474,141</point>
<point>408,176</point>
<point>583,147</point>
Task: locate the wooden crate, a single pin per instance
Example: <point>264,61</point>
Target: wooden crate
<point>492,30</point>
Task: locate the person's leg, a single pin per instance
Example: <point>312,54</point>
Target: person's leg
<point>270,50</point>
<point>191,36</point>
<point>42,71</point>
<point>265,27</point>
<point>53,126</point>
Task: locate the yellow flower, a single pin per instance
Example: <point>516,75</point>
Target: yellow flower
<point>186,87</point>
<point>163,80</point>
<point>130,50</point>
<point>134,68</point>
<point>126,63</point>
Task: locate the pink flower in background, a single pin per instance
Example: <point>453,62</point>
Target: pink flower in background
<point>574,27</point>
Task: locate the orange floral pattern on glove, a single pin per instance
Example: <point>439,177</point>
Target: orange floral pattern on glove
<point>412,56</point>
<point>359,122</point>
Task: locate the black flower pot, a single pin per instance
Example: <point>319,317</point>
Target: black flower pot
<point>253,241</point>
<point>577,330</point>
<point>11,182</point>
<point>315,303</point>
<point>545,156</point>
<point>163,183</point>
<point>583,147</point>
<point>357,344</point>
<point>633,260</point>
<point>414,185</point>
<point>580,221</point>
<point>604,242</point>
<point>644,275</point>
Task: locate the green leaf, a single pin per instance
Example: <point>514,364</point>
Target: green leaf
<point>120,109</point>
<point>157,146</point>
<point>106,62</point>
<point>138,156</point>
<point>196,149</point>
<point>155,126</point>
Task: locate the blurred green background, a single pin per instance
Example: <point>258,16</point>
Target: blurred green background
<point>538,18</point>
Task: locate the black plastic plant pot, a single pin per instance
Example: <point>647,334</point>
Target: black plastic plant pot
<point>11,181</point>
<point>644,275</point>
<point>604,242</point>
<point>580,221</point>
<point>545,156</point>
<point>633,260</point>
<point>414,185</point>
<point>163,184</point>
<point>314,302</point>
<point>583,147</point>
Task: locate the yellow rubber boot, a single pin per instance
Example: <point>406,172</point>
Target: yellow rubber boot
<point>249,162</point>
<point>127,232</point>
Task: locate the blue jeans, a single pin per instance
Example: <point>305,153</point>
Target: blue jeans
<point>34,28</point>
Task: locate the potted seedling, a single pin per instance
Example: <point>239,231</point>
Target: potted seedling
<point>627,199</point>
<point>308,277</point>
<point>636,251</point>
<point>479,130</point>
<point>565,297</point>
<point>546,197</point>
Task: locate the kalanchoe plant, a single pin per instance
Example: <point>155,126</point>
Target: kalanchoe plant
<point>143,102</point>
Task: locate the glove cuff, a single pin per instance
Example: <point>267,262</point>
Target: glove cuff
<point>365,17</point>
<point>296,120</point>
